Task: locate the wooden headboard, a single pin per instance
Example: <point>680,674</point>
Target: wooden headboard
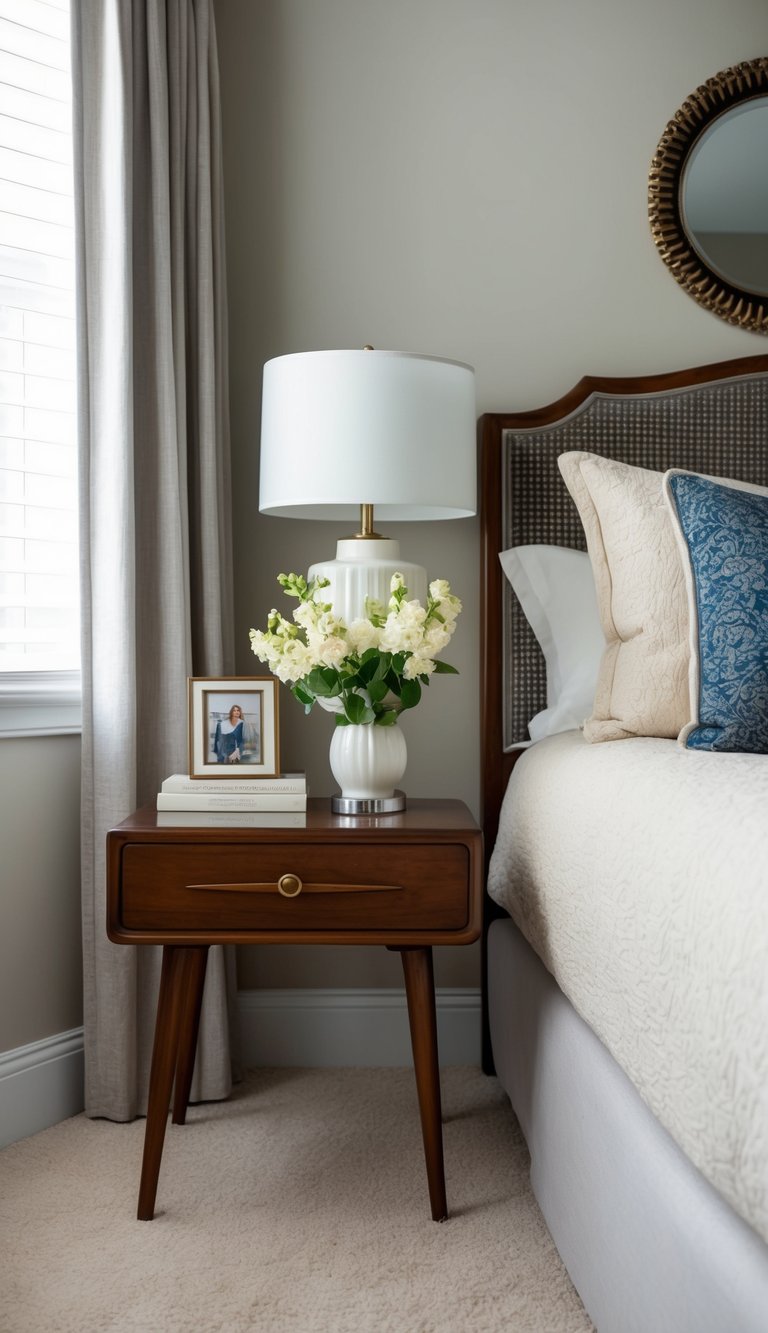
<point>711,419</point>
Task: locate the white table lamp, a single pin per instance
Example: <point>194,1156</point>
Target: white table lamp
<point>347,432</point>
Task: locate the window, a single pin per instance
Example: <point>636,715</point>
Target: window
<point>39,617</point>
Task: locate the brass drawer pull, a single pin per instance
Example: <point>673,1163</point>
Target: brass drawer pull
<point>290,886</point>
<point>295,886</point>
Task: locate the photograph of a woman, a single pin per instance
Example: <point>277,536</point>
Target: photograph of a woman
<point>228,737</point>
<point>233,729</point>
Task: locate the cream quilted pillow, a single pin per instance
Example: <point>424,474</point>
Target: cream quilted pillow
<point>642,685</point>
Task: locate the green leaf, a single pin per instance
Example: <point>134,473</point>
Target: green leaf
<point>374,665</point>
<point>387,719</point>
<point>357,709</point>
<point>377,690</point>
<point>445,669</point>
<point>410,693</point>
<point>393,682</point>
<point>368,667</point>
<point>354,682</point>
<point>324,682</point>
<point>298,691</point>
<point>341,720</point>
<point>398,662</point>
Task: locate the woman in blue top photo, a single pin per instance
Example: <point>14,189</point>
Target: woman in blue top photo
<point>228,740</point>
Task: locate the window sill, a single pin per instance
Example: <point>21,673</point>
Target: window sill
<point>40,703</point>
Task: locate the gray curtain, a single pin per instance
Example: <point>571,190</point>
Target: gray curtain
<point>154,476</point>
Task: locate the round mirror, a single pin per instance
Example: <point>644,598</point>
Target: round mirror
<point>708,195</point>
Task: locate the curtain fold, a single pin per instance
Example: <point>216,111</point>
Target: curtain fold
<point>156,564</point>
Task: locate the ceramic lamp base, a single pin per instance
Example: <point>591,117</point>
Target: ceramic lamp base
<point>363,568</point>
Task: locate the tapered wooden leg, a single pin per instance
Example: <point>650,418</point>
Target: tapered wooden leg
<point>420,992</point>
<point>164,1056</point>
<point>194,980</point>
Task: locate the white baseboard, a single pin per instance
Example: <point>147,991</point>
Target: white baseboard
<point>351,1027</point>
<point>40,1085</point>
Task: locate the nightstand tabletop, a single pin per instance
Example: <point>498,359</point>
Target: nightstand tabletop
<point>420,816</point>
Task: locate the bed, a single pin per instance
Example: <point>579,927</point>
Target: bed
<point>625,961</point>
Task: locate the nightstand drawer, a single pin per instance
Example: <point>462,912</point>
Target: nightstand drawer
<point>284,887</point>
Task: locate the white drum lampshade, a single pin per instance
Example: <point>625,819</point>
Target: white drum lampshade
<point>347,432</point>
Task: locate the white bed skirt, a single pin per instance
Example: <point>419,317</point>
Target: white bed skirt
<point>648,1242</point>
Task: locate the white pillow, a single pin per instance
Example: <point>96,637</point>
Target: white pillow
<point>642,685</point>
<point>556,589</point>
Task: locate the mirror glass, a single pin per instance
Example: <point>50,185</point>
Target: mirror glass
<point>724,196</point>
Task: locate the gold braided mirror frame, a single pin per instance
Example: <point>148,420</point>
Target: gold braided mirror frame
<point>731,87</point>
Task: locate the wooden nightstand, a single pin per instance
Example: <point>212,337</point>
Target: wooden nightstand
<point>406,881</point>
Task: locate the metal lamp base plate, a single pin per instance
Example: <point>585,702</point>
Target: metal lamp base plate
<point>373,805</point>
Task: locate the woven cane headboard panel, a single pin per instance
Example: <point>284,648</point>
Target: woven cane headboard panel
<point>713,419</point>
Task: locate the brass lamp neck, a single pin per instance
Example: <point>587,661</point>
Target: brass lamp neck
<point>366,525</point>
<point>366,511</point>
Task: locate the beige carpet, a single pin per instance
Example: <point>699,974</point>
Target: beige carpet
<point>299,1206</point>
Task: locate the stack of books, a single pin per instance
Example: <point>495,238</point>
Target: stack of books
<point>274,801</point>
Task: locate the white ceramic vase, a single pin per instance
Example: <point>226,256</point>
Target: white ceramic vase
<point>367,761</point>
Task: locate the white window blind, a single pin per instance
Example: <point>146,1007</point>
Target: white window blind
<point>39,619</point>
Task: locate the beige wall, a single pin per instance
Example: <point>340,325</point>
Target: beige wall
<point>466,179</point>
<point>40,956</point>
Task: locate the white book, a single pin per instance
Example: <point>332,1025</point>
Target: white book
<point>230,819</point>
<point>295,783</point>
<point>174,800</point>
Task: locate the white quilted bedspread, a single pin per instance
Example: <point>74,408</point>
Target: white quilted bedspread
<point>638,871</point>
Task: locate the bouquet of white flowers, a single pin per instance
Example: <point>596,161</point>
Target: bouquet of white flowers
<point>366,672</point>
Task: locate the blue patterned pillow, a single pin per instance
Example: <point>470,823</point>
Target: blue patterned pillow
<point>724,533</point>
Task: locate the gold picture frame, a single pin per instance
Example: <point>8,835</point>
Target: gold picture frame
<point>233,727</point>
